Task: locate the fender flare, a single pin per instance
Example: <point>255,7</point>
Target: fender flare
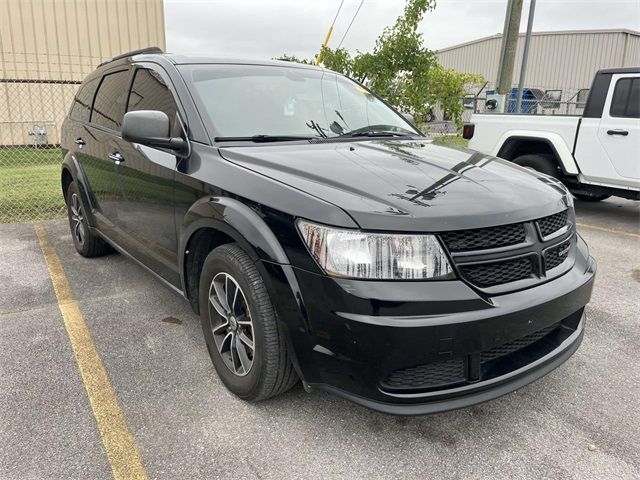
<point>236,220</point>
<point>554,140</point>
<point>72,166</point>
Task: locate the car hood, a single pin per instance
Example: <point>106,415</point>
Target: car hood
<point>408,185</point>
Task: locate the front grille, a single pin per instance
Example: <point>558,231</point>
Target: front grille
<point>552,223</point>
<point>477,366</point>
<point>556,255</point>
<point>490,274</point>
<point>515,345</point>
<point>426,376</point>
<point>483,238</point>
<point>519,257</point>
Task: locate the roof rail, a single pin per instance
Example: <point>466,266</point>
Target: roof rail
<point>132,53</point>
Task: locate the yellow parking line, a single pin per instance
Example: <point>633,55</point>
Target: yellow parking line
<point>609,230</point>
<point>119,444</point>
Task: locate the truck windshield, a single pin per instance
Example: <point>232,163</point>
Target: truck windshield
<point>245,102</point>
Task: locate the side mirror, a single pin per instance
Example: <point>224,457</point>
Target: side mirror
<point>151,128</point>
<point>410,118</point>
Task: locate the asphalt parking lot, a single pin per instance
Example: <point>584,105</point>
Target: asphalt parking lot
<point>581,421</point>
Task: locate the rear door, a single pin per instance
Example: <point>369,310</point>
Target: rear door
<point>77,137</point>
<point>619,130</point>
<point>146,175</point>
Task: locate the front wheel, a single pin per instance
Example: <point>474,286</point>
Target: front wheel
<point>247,346</point>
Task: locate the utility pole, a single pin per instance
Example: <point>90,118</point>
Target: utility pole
<point>509,44</point>
<point>329,32</point>
<point>525,56</point>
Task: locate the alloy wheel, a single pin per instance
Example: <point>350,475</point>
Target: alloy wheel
<point>231,324</point>
<point>77,219</point>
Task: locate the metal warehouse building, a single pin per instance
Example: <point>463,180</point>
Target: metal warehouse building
<point>563,60</point>
<point>48,46</point>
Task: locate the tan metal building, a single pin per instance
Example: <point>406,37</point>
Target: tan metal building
<point>46,46</point>
<point>563,60</point>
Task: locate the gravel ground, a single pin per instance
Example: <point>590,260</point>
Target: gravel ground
<point>579,422</point>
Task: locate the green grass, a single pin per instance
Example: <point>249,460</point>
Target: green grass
<point>451,141</point>
<point>30,184</point>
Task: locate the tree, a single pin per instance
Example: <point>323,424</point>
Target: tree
<point>402,71</point>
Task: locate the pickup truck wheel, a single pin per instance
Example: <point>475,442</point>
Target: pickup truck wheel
<point>87,244</point>
<point>540,162</point>
<point>590,198</point>
<point>246,344</point>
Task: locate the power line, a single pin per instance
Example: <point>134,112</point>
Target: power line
<point>337,13</point>
<point>352,20</point>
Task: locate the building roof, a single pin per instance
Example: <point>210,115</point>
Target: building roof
<point>556,32</point>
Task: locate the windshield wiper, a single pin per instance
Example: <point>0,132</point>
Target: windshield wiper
<point>264,138</point>
<point>375,133</point>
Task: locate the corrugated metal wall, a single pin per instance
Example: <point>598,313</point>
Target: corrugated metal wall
<point>56,40</point>
<point>66,39</point>
<point>564,60</point>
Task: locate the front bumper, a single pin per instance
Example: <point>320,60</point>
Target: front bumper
<point>412,348</point>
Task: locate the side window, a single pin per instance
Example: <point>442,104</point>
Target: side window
<point>81,107</point>
<point>108,107</point>
<point>626,98</point>
<point>150,92</point>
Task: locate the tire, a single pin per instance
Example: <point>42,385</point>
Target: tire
<point>540,162</point>
<point>87,244</point>
<point>590,198</point>
<point>249,319</point>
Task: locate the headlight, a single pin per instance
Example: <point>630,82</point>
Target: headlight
<point>376,256</point>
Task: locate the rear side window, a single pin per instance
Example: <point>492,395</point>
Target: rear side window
<point>150,92</point>
<point>108,107</point>
<point>81,107</point>
<point>626,98</point>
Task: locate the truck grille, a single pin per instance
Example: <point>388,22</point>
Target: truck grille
<point>454,371</point>
<point>557,255</point>
<point>426,376</point>
<point>487,275</point>
<point>515,345</point>
<point>521,251</point>
<point>552,223</point>
<point>482,238</point>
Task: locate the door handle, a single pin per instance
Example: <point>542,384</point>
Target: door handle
<point>79,141</point>
<point>624,133</point>
<point>116,157</point>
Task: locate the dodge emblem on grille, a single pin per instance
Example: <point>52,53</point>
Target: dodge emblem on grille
<point>564,251</point>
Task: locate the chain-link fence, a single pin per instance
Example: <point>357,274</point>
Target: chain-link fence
<point>31,114</point>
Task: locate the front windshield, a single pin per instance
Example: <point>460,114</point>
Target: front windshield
<point>252,100</point>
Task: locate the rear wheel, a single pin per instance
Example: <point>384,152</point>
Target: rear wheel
<point>590,198</point>
<point>540,162</point>
<point>87,244</point>
<point>245,342</point>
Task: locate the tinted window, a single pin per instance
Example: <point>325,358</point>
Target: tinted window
<point>108,107</point>
<point>81,107</point>
<point>626,98</point>
<point>149,92</point>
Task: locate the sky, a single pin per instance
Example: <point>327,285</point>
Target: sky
<point>268,28</point>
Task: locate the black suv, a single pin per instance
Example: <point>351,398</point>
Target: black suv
<point>320,236</point>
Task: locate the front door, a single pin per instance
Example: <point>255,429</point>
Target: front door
<point>146,176</point>
<point>98,138</point>
<point>619,131</point>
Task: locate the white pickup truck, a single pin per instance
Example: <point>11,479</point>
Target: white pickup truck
<point>596,155</point>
